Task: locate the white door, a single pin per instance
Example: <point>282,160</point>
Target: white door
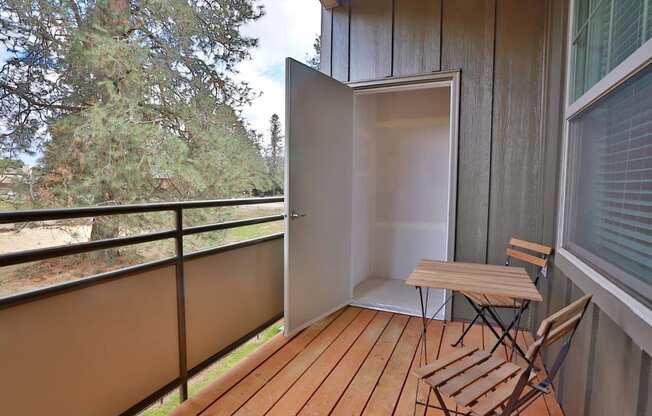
<point>318,180</point>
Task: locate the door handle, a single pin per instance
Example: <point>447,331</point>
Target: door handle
<point>294,215</point>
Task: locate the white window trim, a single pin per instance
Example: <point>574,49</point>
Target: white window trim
<point>570,264</point>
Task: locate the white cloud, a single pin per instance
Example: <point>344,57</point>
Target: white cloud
<point>288,29</point>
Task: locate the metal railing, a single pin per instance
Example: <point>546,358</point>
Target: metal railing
<point>178,233</point>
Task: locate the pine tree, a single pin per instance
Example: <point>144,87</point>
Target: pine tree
<point>275,157</point>
<point>129,100</point>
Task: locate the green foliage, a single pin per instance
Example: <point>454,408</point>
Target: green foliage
<point>314,61</point>
<point>275,155</point>
<point>130,101</point>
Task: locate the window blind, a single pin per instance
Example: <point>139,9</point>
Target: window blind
<point>606,32</point>
<point>609,221</point>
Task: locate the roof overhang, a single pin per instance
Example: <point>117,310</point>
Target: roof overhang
<point>329,4</point>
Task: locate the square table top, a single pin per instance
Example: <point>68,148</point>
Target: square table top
<point>485,279</point>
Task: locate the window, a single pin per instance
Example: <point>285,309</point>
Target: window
<point>605,33</point>
<point>608,220</point>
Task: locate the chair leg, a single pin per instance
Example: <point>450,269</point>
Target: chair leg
<point>441,402</point>
<point>466,331</point>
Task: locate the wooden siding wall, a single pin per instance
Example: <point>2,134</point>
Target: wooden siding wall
<point>507,161</point>
<point>511,57</point>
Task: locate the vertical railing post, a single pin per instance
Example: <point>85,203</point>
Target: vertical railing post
<point>181,305</point>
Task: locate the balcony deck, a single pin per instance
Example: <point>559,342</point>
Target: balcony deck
<point>356,361</point>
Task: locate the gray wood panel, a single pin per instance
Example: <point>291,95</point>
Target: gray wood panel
<point>325,60</point>
<point>517,146</point>
<point>417,30</point>
<point>616,373</point>
<point>340,40</point>
<point>467,44</point>
<point>371,39</point>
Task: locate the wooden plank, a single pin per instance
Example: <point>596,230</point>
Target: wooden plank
<point>371,39</point>
<point>493,399</point>
<point>327,395</point>
<point>452,333</point>
<point>340,42</point>
<point>325,61</point>
<point>209,394</point>
<point>517,145</point>
<point>528,258</point>
<point>564,314</point>
<point>539,248</point>
<point>467,44</point>
<point>265,398</point>
<point>297,395</point>
<point>358,392</point>
<point>457,368</point>
<point>405,406</point>
<point>456,384</point>
<point>482,386</point>
<point>417,32</point>
<point>386,394</point>
<point>427,370</point>
<point>240,393</point>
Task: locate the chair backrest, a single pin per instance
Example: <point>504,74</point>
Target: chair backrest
<point>528,252</point>
<point>559,325</point>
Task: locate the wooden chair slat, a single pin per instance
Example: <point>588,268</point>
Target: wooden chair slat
<point>491,401</point>
<point>486,405</point>
<point>477,389</point>
<point>427,370</point>
<point>528,258</point>
<point>528,245</point>
<point>562,330</point>
<point>454,385</point>
<point>458,367</point>
<point>564,314</point>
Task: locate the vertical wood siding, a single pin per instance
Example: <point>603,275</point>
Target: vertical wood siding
<point>511,57</point>
<point>417,28</point>
<point>371,39</point>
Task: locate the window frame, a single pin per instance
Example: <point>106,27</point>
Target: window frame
<point>611,297</point>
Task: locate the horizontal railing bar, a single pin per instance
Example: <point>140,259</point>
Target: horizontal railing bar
<point>60,288</point>
<point>28,256</point>
<point>11,217</point>
<point>81,283</point>
<point>230,224</point>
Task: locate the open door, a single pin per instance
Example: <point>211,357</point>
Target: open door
<point>318,181</point>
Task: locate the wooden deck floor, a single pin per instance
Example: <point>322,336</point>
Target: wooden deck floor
<point>354,362</point>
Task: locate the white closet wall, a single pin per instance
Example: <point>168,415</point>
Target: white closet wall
<point>400,181</point>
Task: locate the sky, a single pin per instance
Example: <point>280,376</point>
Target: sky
<point>288,29</point>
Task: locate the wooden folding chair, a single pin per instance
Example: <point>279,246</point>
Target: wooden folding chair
<point>527,252</point>
<point>482,384</point>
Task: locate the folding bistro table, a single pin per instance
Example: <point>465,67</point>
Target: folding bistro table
<point>475,280</point>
